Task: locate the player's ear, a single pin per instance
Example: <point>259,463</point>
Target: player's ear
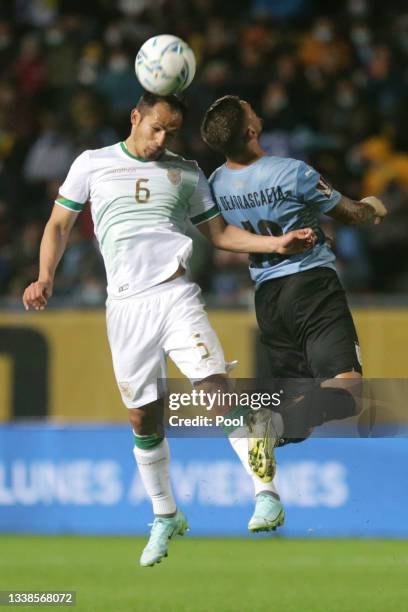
<point>250,133</point>
<point>135,117</point>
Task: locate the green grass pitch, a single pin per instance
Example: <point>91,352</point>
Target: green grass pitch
<point>211,575</point>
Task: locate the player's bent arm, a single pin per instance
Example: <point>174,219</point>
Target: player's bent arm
<point>52,247</point>
<point>351,212</point>
<point>232,238</point>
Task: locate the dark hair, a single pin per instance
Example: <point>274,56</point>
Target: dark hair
<point>223,125</point>
<point>148,100</point>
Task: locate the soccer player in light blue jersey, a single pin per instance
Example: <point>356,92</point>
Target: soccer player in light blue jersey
<point>301,308</point>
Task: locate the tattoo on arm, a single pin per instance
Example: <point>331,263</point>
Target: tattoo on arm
<point>351,212</point>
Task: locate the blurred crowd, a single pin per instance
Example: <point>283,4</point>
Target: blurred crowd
<point>331,84</point>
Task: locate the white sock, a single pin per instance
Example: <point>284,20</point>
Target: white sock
<point>153,466</point>
<point>240,446</point>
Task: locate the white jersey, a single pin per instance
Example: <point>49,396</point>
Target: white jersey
<point>139,209</point>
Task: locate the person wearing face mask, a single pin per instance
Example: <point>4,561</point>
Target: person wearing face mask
<point>117,82</point>
<point>322,48</point>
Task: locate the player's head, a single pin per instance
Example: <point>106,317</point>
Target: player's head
<point>230,126</point>
<point>155,121</point>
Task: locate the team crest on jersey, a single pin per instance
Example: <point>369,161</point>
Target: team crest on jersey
<point>126,390</point>
<point>174,176</point>
<point>324,187</point>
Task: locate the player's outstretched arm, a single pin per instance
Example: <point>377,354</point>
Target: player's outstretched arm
<point>231,238</point>
<point>351,212</point>
<point>52,247</point>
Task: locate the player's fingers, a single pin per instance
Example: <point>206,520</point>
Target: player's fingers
<point>35,297</point>
<point>41,302</point>
<point>25,301</point>
<point>29,296</point>
<point>298,246</point>
<point>306,232</point>
<point>40,293</point>
<point>302,233</point>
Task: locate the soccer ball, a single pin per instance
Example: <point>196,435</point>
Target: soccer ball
<point>165,65</point>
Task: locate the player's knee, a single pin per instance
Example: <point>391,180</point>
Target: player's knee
<point>353,383</point>
<point>219,388</point>
<point>329,404</point>
<point>147,420</point>
<point>136,419</point>
<point>318,406</point>
<point>214,383</point>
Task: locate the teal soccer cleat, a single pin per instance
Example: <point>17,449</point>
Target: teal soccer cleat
<point>163,529</point>
<point>268,515</point>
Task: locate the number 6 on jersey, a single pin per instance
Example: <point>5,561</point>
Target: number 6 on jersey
<point>142,194</point>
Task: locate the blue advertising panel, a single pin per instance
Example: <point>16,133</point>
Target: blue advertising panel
<point>79,479</point>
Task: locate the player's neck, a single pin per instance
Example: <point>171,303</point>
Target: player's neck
<point>132,148</point>
<point>247,158</point>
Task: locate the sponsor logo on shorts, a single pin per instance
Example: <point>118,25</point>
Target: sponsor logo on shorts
<point>123,288</point>
<point>358,353</point>
<point>174,176</point>
<point>126,390</point>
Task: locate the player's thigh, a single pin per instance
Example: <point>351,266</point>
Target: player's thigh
<point>134,333</point>
<point>322,321</point>
<point>284,355</point>
<point>190,340</point>
<point>285,359</point>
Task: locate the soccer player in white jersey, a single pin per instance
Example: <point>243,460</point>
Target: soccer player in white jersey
<point>141,195</point>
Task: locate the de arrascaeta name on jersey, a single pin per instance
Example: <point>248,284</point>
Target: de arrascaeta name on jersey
<point>269,195</point>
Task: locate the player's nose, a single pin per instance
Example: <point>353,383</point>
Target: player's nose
<point>161,138</point>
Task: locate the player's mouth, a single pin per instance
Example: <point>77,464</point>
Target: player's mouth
<point>153,153</point>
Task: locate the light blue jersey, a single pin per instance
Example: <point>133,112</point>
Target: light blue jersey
<point>275,195</point>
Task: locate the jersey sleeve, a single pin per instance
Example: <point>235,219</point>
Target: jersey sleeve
<point>201,204</point>
<point>74,192</point>
<point>313,189</point>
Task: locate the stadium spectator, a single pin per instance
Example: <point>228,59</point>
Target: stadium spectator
<point>330,82</point>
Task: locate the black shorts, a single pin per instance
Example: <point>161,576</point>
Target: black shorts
<point>306,326</point>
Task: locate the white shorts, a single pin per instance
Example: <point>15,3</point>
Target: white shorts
<point>167,320</point>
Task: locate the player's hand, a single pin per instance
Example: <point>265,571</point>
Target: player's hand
<point>37,295</point>
<point>380,210</point>
<point>296,241</point>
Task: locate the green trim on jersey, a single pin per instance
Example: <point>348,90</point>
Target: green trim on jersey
<point>76,206</point>
<point>205,216</point>
<point>126,150</point>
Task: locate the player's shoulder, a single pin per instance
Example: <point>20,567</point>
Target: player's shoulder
<point>266,163</point>
<point>109,151</point>
<point>286,170</point>
<point>86,158</point>
<point>216,174</point>
<point>275,161</point>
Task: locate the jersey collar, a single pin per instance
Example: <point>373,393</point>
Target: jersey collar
<point>141,159</point>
